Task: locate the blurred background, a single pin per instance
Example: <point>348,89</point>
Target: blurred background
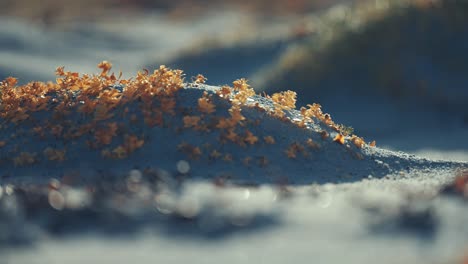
<point>396,71</point>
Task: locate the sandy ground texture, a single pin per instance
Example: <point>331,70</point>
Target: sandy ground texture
<point>389,221</point>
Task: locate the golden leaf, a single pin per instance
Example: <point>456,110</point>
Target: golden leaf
<point>132,143</point>
<point>105,66</point>
<point>285,100</point>
<point>196,152</point>
<point>224,92</point>
<point>199,79</point>
<point>250,138</point>
<point>231,135</point>
<point>291,152</point>
<point>312,144</point>
<point>339,139</point>
<point>59,71</point>
<point>357,141</point>
<point>191,121</point>
<point>269,140</point>
<point>205,105</point>
<point>168,105</point>
<point>236,115</point>
<point>224,123</point>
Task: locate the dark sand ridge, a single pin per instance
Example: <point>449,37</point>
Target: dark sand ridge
<point>406,61</point>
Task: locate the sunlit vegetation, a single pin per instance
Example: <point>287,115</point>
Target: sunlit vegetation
<point>97,98</point>
<point>104,101</point>
<point>339,139</point>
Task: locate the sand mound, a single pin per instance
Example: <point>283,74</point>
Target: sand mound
<point>101,124</point>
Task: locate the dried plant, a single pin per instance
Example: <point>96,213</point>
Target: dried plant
<point>146,99</point>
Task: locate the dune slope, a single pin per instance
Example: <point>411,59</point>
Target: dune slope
<point>100,124</point>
